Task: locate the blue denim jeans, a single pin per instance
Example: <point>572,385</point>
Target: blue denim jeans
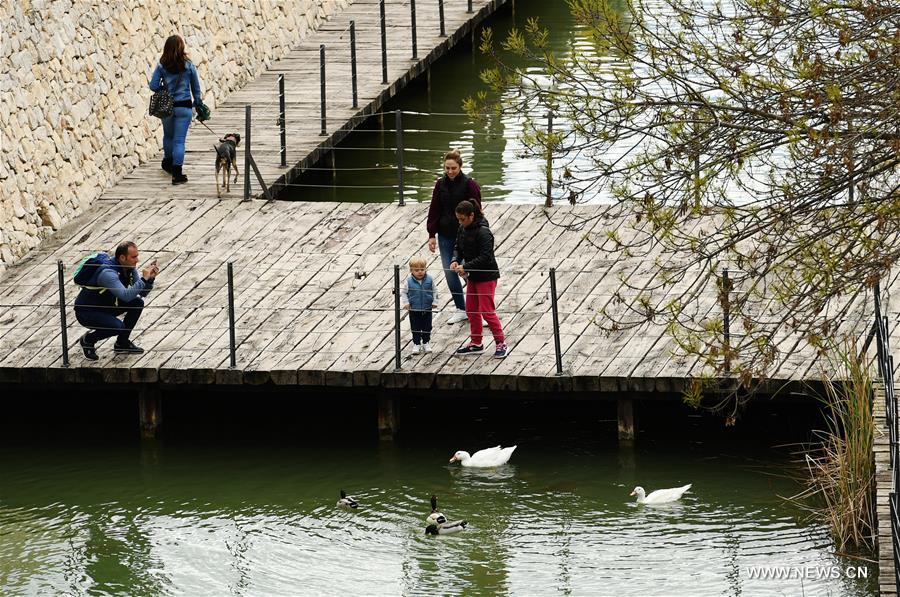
<point>105,323</point>
<point>446,243</point>
<point>175,129</point>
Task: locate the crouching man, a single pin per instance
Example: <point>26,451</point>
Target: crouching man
<point>111,288</point>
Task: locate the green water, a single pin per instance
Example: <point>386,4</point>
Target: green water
<point>366,165</point>
<point>250,510</point>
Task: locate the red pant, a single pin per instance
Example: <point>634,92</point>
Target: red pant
<point>480,303</point>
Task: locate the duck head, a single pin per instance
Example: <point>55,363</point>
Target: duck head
<point>460,456</point>
<point>639,492</point>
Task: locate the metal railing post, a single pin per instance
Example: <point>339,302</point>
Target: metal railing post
<point>879,336</point>
<point>353,62</point>
<point>892,399</point>
<point>322,86</point>
<point>397,315</point>
<point>555,310</point>
<point>398,124</point>
<point>469,9</point>
<point>231,343</point>
<point>895,542</point>
<point>62,312</point>
<point>247,146</point>
<point>726,318</point>
<point>282,120</point>
<point>412,16</point>
<point>441,17</point>
<point>548,201</point>
<point>384,74</point>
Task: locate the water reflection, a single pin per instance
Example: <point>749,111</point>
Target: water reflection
<point>483,476</point>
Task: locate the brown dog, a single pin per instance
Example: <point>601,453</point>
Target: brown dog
<point>226,159</point>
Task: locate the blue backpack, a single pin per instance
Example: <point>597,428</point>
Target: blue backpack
<point>89,267</point>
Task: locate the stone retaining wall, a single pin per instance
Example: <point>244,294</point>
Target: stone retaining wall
<point>73,91</point>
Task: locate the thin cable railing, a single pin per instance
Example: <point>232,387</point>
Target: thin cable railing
<point>240,314</point>
<point>342,39</point>
<point>886,372</point>
<point>308,309</point>
<point>243,319</point>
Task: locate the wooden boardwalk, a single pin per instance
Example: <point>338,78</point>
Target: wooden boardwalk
<point>314,281</point>
<point>314,303</point>
<point>887,580</point>
<point>305,144</point>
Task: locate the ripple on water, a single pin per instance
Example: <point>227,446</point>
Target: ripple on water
<point>561,522</point>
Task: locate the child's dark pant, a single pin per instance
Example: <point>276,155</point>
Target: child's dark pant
<point>420,323</point>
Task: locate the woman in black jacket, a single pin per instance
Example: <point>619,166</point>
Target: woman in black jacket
<point>473,259</point>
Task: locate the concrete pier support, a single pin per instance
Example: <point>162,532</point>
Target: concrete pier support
<point>626,421</point>
<point>387,418</point>
<point>150,410</point>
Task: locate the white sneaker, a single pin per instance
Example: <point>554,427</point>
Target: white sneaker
<point>426,347</point>
<point>416,349</point>
<point>458,316</point>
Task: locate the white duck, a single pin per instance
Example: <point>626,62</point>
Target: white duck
<point>346,501</point>
<point>436,523</point>
<point>488,457</point>
<point>660,496</point>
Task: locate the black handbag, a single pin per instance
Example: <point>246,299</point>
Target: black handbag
<point>161,103</point>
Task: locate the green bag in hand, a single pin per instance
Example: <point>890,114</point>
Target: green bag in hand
<point>203,113</point>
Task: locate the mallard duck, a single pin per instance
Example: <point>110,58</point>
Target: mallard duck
<point>346,501</point>
<point>488,457</point>
<point>447,528</point>
<point>660,496</point>
<point>436,523</point>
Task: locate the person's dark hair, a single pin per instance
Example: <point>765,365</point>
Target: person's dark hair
<point>122,249</point>
<point>455,156</point>
<point>467,208</point>
<point>174,55</point>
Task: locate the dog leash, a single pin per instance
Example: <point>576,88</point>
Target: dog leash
<point>212,131</point>
<point>200,121</point>
<point>209,129</point>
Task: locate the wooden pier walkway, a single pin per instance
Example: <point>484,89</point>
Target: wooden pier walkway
<point>887,579</point>
<point>313,281</point>
<point>314,302</point>
<point>305,145</point>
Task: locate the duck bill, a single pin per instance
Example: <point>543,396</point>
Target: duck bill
<point>632,493</point>
<point>453,459</point>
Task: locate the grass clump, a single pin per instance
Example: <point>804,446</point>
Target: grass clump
<point>840,484</point>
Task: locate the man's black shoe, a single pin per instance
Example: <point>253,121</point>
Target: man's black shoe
<point>89,350</point>
<point>127,348</point>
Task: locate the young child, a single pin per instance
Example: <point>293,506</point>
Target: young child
<point>419,296</point>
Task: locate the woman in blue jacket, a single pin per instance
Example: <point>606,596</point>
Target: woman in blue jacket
<point>182,82</point>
